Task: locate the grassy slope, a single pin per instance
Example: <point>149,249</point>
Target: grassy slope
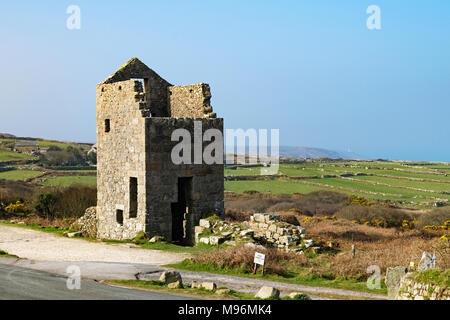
<point>7,155</point>
<point>19,174</point>
<point>69,180</point>
<point>393,188</point>
<point>293,278</point>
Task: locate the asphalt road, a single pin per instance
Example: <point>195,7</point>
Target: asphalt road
<point>18,283</point>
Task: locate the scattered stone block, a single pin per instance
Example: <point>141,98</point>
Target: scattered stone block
<point>309,243</point>
<point>393,278</point>
<point>196,284</point>
<point>204,240</point>
<point>316,250</point>
<point>227,234</point>
<point>175,285</point>
<point>170,277</point>
<point>223,291</point>
<point>215,240</point>
<point>73,234</point>
<point>286,240</point>
<point>292,295</point>
<point>210,286</point>
<point>157,239</point>
<point>199,229</point>
<point>247,232</point>
<point>259,217</point>
<point>205,223</point>
<point>268,293</point>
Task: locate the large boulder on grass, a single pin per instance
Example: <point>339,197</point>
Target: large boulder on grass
<point>87,224</point>
<point>169,277</point>
<point>393,278</point>
<point>268,293</point>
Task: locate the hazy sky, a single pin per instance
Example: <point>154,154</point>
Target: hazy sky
<point>310,68</point>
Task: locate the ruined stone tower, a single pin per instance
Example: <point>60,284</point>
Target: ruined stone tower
<point>139,186</point>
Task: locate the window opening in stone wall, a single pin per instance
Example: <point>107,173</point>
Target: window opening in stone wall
<point>107,125</point>
<point>119,216</point>
<point>180,210</point>
<point>133,197</point>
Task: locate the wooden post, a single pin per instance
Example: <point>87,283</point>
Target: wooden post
<point>254,268</point>
<point>353,251</point>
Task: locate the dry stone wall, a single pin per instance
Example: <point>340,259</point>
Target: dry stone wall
<point>262,229</point>
<point>412,289</point>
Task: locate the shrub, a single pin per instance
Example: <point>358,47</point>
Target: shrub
<point>374,216</point>
<point>436,217</point>
<point>65,202</point>
<point>13,191</point>
<point>237,215</point>
<point>242,258</point>
<point>314,203</point>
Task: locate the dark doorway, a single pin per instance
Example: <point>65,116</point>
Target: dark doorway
<point>180,210</point>
<point>133,197</point>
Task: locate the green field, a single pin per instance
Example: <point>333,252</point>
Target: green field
<point>69,180</point>
<point>409,184</point>
<point>7,155</point>
<point>19,174</point>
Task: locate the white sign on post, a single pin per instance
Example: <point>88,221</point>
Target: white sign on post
<point>259,258</point>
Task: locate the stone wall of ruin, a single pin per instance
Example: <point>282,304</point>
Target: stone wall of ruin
<point>121,155</point>
<point>192,101</point>
<point>163,174</point>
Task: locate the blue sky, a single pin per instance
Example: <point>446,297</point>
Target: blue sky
<point>310,68</point>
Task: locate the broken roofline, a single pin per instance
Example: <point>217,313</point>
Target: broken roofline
<point>134,69</point>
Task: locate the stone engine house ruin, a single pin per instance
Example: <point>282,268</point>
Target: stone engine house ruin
<point>139,187</point>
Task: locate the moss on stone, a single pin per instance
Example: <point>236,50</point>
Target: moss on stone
<point>435,277</point>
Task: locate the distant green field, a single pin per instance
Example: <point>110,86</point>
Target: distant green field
<point>7,155</point>
<point>48,143</point>
<point>396,181</point>
<point>69,180</point>
<point>273,186</point>
<point>19,174</point>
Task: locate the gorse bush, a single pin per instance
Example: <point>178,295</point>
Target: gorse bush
<point>13,191</point>
<point>65,202</point>
<point>18,199</point>
<point>436,217</point>
<point>375,216</point>
<point>314,203</point>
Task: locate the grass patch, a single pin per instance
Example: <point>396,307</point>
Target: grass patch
<point>8,155</point>
<point>7,255</point>
<point>291,277</point>
<point>153,285</point>
<point>16,175</point>
<point>433,276</point>
<point>70,180</point>
<point>185,290</point>
<point>166,246</point>
<point>35,226</point>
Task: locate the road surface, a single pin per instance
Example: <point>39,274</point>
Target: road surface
<point>37,245</point>
<point>17,283</point>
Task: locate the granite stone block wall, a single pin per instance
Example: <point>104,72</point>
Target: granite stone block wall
<point>139,187</point>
